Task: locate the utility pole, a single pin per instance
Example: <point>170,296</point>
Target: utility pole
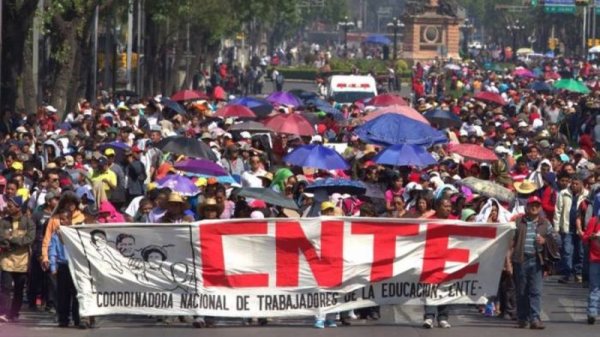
<point>95,56</point>
<point>140,50</point>
<point>1,39</point>
<point>129,42</point>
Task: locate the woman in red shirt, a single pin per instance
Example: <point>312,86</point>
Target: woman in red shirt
<point>591,237</point>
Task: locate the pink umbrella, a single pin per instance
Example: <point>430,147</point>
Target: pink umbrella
<point>386,100</point>
<point>188,95</point>
<point>235,110</point>
<point>291,124</point>
<point>523,72</point>
<point>396,109</point>
<point>473,151</point>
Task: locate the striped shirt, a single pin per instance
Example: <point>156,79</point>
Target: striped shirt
<point>530,246</point>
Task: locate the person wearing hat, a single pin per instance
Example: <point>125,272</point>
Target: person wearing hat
<point>176,210</point>
<point>232,161</point>
<point>101,173</point>
<point>17,233</point>
<point>209,209</point>
<point>565,218</point>
<point>135,173</point>
<point>526,262</point>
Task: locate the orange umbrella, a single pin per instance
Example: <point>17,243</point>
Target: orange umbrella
<point>396,109</point>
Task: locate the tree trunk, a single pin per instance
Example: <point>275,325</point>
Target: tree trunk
<point>64,69</point>
<point>17,21</point>
<point>28,85</point>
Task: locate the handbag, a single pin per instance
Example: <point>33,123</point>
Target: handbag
<point>551,250</point>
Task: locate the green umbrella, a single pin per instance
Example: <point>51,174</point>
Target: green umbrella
<point>572,86</point>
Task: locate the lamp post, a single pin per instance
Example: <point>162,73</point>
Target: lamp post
<point>515,28</point>
<point>395,25</point>
<point>346,26</point>
<point>467,26</point>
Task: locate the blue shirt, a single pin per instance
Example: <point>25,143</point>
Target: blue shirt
<point>56,253</point>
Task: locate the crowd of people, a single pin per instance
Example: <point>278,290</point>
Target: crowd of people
<point>105,161</point>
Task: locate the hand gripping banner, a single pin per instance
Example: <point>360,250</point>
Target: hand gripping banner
<point>283,267</point>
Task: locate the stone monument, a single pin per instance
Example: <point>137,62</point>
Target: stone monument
<point>432,29</point>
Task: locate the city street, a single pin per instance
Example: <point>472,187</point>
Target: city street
<point>563,313</point>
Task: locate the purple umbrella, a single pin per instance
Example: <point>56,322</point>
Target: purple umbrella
<point>179,184</point>
<point>316,156</point>
<point>284,98</point>
<point>201,166</point>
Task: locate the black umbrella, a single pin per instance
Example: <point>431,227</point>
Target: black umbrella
<point>443,118</point>
<point>190,147</point>
<point>170,104</point>
<point>267,195</point>
<point>250,126</point>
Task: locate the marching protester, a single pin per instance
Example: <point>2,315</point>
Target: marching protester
<point>496,151</point>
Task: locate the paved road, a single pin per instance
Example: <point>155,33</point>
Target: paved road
<point>563,311</point>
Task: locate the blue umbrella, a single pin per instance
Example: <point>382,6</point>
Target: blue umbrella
<point>336,185</point>
<point>179,184</point>
<point>443,118</point>
<point>392,129</point>
<point>378,39</point>
<point>540,86</point>
<point>405,155</point>
<point>316,156</point>
<point>173,105</point>
<point>119,147</point>
<point>259,106</point>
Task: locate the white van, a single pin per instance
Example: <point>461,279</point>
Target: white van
<point>347,89</point>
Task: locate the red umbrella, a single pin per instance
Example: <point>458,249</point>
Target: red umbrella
<point>396,109</point>
<point>219,93</point>
<point>290,123</point>
<point>386,99</point>
<point>490,97</point>
<point>235,110</point>
<point>188,95</point>
<point>473,151</point>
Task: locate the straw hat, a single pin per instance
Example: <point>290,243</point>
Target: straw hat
<point>176,197</point>
<point>525,187</point>
<point>209,203</point>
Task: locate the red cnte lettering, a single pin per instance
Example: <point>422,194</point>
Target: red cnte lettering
<point>437,252</point>
<point>384,244</point>
<point>213,260</point>
<point>291,240</point>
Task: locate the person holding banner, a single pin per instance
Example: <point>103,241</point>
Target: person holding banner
<point>443,212</point>
<point>527,263</point>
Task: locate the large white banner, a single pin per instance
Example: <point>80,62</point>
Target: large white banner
<point>282,267</point>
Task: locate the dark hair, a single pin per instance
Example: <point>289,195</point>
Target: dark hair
<point>96,232</point>
<point>147,252</point>
<point>124,236</point>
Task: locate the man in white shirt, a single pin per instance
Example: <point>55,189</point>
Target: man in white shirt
<point>252,178</point>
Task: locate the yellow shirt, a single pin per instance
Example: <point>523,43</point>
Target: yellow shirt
<point>108,175</point>
<point>23,193</point>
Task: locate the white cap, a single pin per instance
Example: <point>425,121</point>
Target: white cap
<point>309,195</point>
<point>245,135</point>
<point>316,139</point>
<point>523,124</point>
<point>257,215</point>
<point>501,150</point>
<point>51,108</point>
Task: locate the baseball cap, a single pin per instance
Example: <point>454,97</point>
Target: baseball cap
<point>245,135</point>
<point>50,195</point>
<point>109,152</point>
<point>70,160</point>
<point>17,200</point>
<point>17,166</point>
<point>327,205</point>
<point>534,199</point>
